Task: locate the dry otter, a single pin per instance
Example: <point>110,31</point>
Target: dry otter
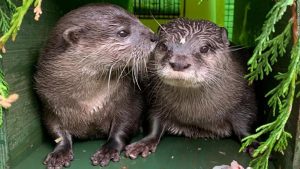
<point>83,79</point>
<point>196,87</point>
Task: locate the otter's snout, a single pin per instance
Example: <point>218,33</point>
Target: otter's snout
<point>179,63</point>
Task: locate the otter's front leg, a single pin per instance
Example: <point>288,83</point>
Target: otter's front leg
<point>148,144</point>
<point>242,121</point>
<point>119,136</point>
<point>62,154</point>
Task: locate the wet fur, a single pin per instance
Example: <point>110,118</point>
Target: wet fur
<point>84,81</point>
<point>208,99</point>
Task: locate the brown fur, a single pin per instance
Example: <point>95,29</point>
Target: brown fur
<point>196,86</point>
<point>84,80</point>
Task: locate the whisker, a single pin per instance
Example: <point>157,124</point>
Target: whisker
<point>159,24</point>
<point>235,49</point>
<point>109,75</point>
<point>120,76</point>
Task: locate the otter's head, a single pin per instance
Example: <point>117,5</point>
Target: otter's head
<point>190,53</point>
<point>102,38</point>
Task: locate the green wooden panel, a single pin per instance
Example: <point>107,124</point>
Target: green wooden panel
<point>23,126</point>
<point>3,147</point>
<point>69,5</point>
<point>172,153</point>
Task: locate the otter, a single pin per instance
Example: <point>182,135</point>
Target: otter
<point>196,87</point>
<point>84,81</point>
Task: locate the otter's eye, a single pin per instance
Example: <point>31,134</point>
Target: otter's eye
<point>204,49</point>
<point>123,33</point>
<point>163,47</point>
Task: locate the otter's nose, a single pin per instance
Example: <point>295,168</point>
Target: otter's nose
<point>154,38</point>
<point>178,66</point>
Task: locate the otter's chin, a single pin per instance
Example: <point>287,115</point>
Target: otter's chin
<point>183,83</point>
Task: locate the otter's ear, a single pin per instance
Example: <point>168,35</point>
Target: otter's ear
<point>224,34</point>
<point>72,34</point>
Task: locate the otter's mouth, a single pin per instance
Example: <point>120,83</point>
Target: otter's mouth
<point>180,82</point>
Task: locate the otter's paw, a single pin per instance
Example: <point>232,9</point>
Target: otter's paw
<point>58,159</point>
<point>143,148</point>
<point>103,156</point>
<point>251,148</point>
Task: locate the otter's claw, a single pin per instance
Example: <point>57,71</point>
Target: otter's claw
<point>140,148</point>
<point>251,148</point>
<point>103,156</point>
<point>58,159</point>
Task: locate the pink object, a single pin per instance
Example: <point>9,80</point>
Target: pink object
<point>235,165</point>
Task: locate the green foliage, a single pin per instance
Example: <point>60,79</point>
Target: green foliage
<point>16,22</point>
<point>281,98</point>
<point>4,24</point>
<point>261,63</point>
<point>3,92</point>
<point>5,15</point>
<point>272,49</point>
<point>6,12</point>
<point>11,6</point>
<point>10,22</point>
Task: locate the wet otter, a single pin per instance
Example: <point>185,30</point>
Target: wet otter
<point>83,79</point>
<point>196,87</point>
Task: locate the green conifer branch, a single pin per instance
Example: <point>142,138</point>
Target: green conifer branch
<point>3,92</point>
<point>4,24</point>
<point>5,16</point>
<point>272,49</point>
<point>16,22</point>
<point>11,6</point>
<point>281,97</point>
<point>9,27</point>
<point>260,63</point>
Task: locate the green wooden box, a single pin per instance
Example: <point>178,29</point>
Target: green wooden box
<point>24,143</point>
